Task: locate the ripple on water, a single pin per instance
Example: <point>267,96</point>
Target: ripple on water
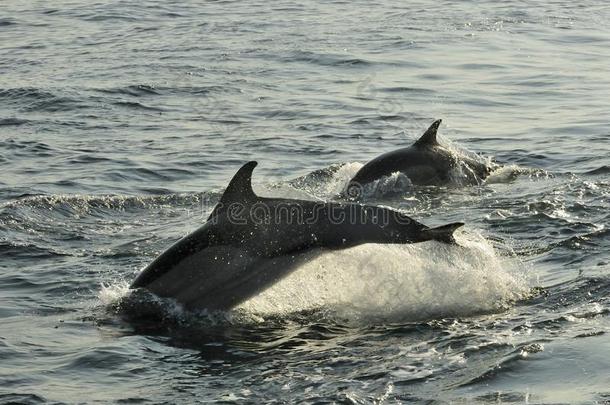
<point>108,131</point>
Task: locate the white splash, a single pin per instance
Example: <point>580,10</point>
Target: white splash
<point>112,293</point>
<point>340,179</point>
<point>399,282</point>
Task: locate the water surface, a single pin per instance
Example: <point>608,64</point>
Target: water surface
<point>121,123</point>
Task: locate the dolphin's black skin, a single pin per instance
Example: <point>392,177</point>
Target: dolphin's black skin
<point>250,242</point>
<point>425,163</point>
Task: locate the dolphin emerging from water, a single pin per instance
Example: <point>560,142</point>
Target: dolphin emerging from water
<point>250,242</point>
<point>425,163</point>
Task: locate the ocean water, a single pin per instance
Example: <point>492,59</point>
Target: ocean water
<point>122,122</point>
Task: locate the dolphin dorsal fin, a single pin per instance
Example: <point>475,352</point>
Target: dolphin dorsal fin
<point>240,186</point>
<point>239,190</point>
<point>429,137</point>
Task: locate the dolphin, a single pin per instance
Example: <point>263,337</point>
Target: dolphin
<point>425,163</point>
<point>249,242</point>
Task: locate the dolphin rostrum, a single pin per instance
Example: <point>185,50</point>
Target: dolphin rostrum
<point>426,162</point>
<point>250,242</point>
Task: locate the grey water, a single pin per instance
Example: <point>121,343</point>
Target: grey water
<point>122,122</point>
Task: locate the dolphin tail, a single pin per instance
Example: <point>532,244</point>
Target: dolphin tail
<point>442,233</point>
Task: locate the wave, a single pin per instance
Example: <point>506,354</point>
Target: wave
<point>151,90</point>
<point>22,398</point>
<point>137,90</point>
<point>30,99</point>
<point>13,122</point>
<point>5,22</point>
<point>27,250</point>
<point>600,170</point>
<point>87,203</point>
<point>137,106</point>
<point>35,147</point>
<point>577,299</point>
<point>18,93</point>
<point>325,59</point>
<point>586,240</point>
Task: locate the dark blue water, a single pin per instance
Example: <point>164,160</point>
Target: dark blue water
<point>122,122</point>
